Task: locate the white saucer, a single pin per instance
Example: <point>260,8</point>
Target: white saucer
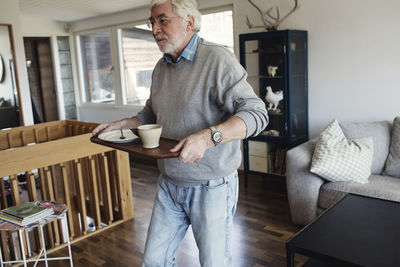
<point>114,136</point>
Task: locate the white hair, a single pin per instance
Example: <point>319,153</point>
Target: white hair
<point>183,8</point>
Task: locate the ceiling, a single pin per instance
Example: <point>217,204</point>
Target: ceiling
<point>73,10</point>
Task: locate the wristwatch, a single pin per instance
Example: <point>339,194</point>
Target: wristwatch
<point>216,136</point>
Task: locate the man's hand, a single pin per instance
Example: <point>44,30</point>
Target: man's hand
<point>127,123</point>
<point>193,147</point>
<point>105,127</point>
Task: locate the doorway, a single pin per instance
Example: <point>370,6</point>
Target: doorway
<point>41,78</point>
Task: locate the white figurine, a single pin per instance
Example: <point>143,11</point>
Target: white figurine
<point>273,98</point>
<point>272,70</point>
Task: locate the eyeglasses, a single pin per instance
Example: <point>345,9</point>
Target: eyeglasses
<point>160,21</point>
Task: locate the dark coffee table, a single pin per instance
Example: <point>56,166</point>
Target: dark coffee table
<point>356,231</point>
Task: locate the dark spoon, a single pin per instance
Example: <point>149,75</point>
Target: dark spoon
<point>122,135</point>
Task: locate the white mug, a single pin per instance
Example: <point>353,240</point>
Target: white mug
<point>150,135</point>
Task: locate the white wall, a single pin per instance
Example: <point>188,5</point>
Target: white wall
<point>354,60</point>
<point>354,56</point>
<point>40,27</point>
<point>9,14</point>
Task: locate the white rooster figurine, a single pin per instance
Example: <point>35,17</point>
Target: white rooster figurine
<point>273,98</point>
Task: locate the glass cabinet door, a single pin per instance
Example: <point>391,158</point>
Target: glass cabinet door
<point>276,63</point>
<point>251,64</point>
<point>264,60</point>
<point>272,85</point>
<point>298,84</point>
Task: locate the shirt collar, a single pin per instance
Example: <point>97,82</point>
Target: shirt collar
<point>188,53</point>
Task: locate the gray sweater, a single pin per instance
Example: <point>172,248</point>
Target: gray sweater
<point>188,97</point>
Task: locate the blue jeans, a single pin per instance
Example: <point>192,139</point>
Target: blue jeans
<point>208,207</point>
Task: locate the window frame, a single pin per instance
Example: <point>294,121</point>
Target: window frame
<point>114,62</point>
<point>115,33</point>
<point>119,29</point>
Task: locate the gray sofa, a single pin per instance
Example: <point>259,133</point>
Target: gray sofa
<point>309,195</point>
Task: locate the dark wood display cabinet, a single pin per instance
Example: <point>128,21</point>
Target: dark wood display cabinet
<point>276,63</point>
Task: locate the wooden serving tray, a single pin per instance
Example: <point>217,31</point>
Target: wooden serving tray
<point>161,152</point>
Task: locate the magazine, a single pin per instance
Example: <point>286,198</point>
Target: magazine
<point>57,207</point>
<point>26,210</point>
<point>25,213</point>
<point>24,222</point>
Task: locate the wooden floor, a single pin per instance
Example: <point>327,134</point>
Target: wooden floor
<point>261,224</point>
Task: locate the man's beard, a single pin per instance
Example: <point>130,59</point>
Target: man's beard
<point>170,46</point>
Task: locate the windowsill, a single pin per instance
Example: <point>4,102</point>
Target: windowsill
<point>110,106</point>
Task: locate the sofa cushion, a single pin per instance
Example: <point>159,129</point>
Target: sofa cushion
<point>381,134</point>
<point>383,187</point>
<point>336,158</point>
<point>392,167</point>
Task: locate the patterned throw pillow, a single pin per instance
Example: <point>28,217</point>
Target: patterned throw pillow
<point>392,167</point>
<point>337,159</point>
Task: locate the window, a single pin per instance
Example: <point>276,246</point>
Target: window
<point>97,68</point>
<point>140,54</point>
<point>218,28</point>
<point>129,84</point>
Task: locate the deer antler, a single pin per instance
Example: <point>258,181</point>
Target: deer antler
<point>262,17</point>
<point>267,17</point>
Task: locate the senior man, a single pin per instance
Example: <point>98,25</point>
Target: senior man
<point>200,96</point>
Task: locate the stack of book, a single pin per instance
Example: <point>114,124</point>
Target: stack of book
<point>25,213</point>
<point>280,160</point>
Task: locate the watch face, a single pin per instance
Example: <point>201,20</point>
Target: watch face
<point>217,137</point>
